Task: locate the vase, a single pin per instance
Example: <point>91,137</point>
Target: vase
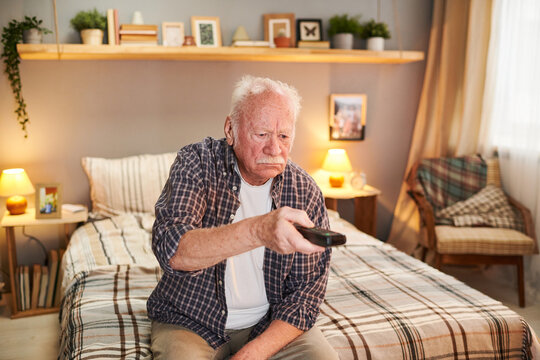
<point>282,41</point>
<point>375,44</point>
<point>343,41</point>
<point>92,36</point>
<point>32,36</point>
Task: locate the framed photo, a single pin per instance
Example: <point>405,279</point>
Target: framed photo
<point>347,116</point>
<point>48,201</point>
<point>275,24</point>
<point>172,33</point>
<point>206,30</point>
<point>309,29</point>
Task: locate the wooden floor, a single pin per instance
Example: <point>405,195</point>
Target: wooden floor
<point>37,337</point>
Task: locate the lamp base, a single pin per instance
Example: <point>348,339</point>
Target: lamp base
<point>16,205</point>
<point>336,180</point>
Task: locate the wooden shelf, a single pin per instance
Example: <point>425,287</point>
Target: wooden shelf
<point>119,52</point>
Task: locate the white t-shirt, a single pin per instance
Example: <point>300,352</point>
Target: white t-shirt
<point>245,292</point>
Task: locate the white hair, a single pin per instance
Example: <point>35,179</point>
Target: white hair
<point>249,86</point>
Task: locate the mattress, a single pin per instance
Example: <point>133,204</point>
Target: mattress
<point>380,303</point>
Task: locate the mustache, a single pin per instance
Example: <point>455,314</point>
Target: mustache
<point>271,160</point>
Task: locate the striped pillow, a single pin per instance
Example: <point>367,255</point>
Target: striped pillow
<point>127,185</point>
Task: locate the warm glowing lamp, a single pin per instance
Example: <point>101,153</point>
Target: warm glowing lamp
<point>337,162</point>
<point>15,183</point>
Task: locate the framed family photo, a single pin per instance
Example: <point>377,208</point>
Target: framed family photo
<point>279,24</point>
<point>309,30</point>
<point>206,30</point>
<point>172,33</point>
<point>347,118</point>
<point>48,201</point>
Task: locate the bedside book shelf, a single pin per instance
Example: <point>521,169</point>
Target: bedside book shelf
<point>9,222</point>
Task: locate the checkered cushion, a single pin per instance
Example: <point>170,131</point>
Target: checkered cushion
<point>445,181</point>
<point>488,207</point>
<point>484,241</point>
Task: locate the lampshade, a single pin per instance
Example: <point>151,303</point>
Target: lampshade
<point>15,183</point>
<point>337,161</point>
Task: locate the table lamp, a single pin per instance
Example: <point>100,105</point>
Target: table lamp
<point>15,183</point>
<point>337,162</point>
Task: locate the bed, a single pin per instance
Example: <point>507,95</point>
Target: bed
<point>380,303</point>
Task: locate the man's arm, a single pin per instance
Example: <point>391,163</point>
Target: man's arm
<point>202,248</point>
<point>269,342</point>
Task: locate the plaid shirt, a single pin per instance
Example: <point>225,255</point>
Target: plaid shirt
<point>202,192</point>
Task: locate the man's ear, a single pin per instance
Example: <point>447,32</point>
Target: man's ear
<point>229,131</point>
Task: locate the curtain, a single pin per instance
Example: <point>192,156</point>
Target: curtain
<point>511,111</point>
<point>447,121</point>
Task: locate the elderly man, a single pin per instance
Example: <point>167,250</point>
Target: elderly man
<point>238,279</point>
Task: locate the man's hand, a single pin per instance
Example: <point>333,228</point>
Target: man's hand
<point>271,341</point>
<point>276,231</point>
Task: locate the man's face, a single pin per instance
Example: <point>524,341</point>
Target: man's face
<point>264,139</point>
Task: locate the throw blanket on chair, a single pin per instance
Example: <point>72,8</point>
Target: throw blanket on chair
<point>488,207</point>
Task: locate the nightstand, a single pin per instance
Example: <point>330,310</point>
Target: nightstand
<point>365,204</point>
<point>9,222</point>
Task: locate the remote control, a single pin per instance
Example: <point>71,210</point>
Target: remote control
<point>321,237</point>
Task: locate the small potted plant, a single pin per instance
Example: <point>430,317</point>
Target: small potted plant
<point>375,33</point>
<point>91,24</point>
<point>342,30</point>
<point>11,36</point>
<point>281,40</point>
<point>32,32</point>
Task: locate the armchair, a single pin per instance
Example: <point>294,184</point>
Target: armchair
<point>441,185</point>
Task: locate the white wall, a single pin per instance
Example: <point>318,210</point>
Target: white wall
<point>120,108</point>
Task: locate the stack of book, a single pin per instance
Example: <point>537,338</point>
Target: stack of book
<point>132,34</point>
<point>39,286</point>
<point>313,44</point>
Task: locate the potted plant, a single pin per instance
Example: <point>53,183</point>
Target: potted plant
<point>32,32</point>
<point>281,40</point>
<point>11,36</point>
<point>342,30</point>
<point>375,33</point>
<point>91,24</point>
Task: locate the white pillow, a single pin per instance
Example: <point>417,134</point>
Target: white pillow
<point>127,185</point>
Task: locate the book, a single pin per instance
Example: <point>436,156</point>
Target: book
<point>150,38</point>
<point>36,282</point>
<point>251,43</point>
<point>313,44</point>
<point>27,295</point>
<point>138,43</point>
<point>116,27</point>
<point>43,286</point>
<point>53,269</point>
<point>60,274</point>
<point>18,288</point>
<point>137,32</point>
<point>110,27</point>
<point>138,27</point>
<point>73,208</point>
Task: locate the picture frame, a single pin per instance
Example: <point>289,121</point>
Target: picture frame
<point>172,33</point>
<point>309,30</point>
<point>347,118</point>
<point>206,30</point>
<point>274,23</point>
<point>48,201</point>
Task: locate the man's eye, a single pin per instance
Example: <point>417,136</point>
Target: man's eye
<point>284,137</point>
<point>261,135</point>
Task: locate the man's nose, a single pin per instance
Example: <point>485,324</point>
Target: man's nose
<point>272,146</point>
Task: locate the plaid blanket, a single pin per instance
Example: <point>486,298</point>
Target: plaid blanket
<point>380,304</point>
<point>445,181</point>
<point>488,207</point>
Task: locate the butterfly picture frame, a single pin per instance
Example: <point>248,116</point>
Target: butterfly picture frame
<point>309,29</point>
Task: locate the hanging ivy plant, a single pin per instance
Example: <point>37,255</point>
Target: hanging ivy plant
<point>11,36</point>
